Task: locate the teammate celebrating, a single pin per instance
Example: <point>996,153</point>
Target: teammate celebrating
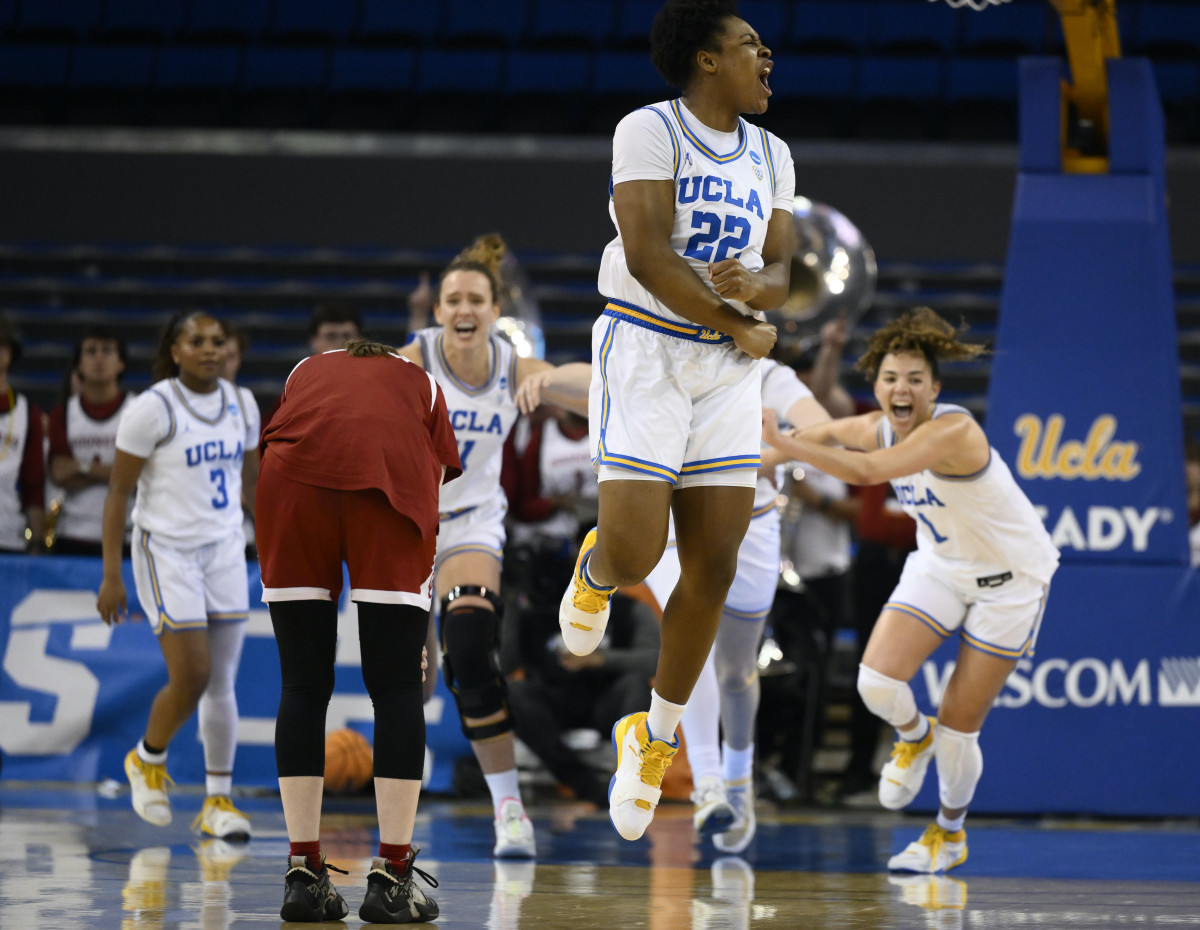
<point>480,374</point>
<point>702,202</point>
<point>982,568</point>
<point>189,445</point>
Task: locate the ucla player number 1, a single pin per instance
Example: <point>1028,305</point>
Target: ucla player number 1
<point>464,450</point>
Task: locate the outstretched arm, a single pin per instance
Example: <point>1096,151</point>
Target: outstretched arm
<point>540,382</point>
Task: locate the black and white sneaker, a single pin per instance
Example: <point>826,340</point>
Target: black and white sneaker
<point>309,897</point>
<point>393,898</point>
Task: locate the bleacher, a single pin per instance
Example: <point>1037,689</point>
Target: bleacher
<point>906,69</point>
<point>52,292</point>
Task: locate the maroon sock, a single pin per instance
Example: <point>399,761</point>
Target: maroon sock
<point>311,851</point>
<point>398,854</point>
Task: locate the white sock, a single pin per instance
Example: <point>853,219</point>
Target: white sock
<point>951,826</point>
<point>664,718</point>
<point>918,733</point>
<point>700,725</point>
<point>503,785</point>
<point>738,764</point>
<point>218,785</point>
<point>151,758</point>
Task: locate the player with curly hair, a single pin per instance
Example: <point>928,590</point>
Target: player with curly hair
<point>981,569</point>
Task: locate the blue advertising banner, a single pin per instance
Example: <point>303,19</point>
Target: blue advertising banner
<point>1102,718</point>
<point>74,693</point>
<point>1084,399</point>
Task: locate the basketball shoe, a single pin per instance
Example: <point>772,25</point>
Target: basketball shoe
<point>148,789</point>
<point>221,819</point>
<point>712,812</point>
<point>739,835</point>
<point>583,613</point>
<point>308,896</point>
<point>936,851</point>
<point>394,898</point>
<point>642,762</point>
<point>901,777</point>
<point>514,832</point>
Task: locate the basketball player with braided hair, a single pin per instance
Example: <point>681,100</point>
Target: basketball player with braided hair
<point>188,445</point>
<point>480,373</point>
<point>982,568</point>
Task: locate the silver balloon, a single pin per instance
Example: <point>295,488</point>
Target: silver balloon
<point>833,274</point>
<point>520,315</point>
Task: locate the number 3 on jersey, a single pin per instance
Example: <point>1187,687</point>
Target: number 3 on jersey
<point>700,246</point>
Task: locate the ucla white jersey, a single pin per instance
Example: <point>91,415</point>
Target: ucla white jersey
<point>190,490</point>
<point>981,523</point>
<point>726,186</point>
<point>481,417</point>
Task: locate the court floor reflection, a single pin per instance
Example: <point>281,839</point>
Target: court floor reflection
<point>70,859</point>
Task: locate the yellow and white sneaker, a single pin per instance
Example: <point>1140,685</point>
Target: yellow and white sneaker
<point>901,777</point>
<point>148,789</point>
<point>642,762</point>
<point>936,851</point>
<point>745,824</point>
<point>221,819</point>
<point>583,613</point>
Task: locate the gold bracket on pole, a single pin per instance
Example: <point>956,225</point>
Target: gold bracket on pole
<point>1090,29</point>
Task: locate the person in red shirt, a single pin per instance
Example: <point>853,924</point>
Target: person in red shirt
<point>354,460</point>
<point>22,464</point>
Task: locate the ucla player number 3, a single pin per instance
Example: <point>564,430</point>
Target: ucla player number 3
<point>217,476</point>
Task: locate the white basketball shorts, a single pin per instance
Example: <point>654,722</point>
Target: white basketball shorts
<point>187,588</point>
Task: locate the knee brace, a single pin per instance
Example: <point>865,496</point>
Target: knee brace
<point>959,766</point>
<point>469,637</point>
<point>887,698</point>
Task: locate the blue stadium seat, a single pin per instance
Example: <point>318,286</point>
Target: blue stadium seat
<point>634,19</point>
<point>228,20</point>
<point>457,90</point>
<point>372,69</point>
<point>902,26</point>
<point>981,99</point>
<point>1179,89</point>
<point>312,20</point>
<point>405,22</point>
<point>281,86</point>
<point>830,25</point>
<point>495,24</point>
<point>622,82</point>
<point>34,65</point>
<point>194,85</point>
<point>110,84</point>
<point>369,88</point>
<point>768,17</point>
<point>1017,28</point>
<point>544,91</point>
<point>113,65</point>
<point>39,72</point>
<point>811,96</point>
<point>58,18</point>
<point>578,24</point>
<point>1167,29</point>
<point>898,97</point>
<point>297,68</point>
<point>142,19</point>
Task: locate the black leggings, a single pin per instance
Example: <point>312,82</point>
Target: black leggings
<point>391,636</point>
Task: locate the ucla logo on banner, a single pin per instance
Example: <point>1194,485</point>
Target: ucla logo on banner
<point>1044,454</point>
